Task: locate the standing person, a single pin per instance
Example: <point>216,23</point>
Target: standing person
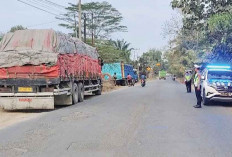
<point>188,81</point>
<point>197,85</point>
<point>129,79</point>
<point>115,79</point>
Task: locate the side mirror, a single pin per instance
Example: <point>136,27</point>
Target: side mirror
<point>202,77</point>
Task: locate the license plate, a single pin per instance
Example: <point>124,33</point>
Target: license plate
<point>226,94</point>
<point>25,89</point>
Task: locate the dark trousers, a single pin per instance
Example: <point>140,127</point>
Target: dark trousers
<point>198,95</point>
<point>188,86</point>
<point>129,82</point>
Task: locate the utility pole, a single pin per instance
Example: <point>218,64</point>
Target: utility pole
<point>80,19</point>
<point>75,25</point>
<point>92,31</point>
<point>85,27</point>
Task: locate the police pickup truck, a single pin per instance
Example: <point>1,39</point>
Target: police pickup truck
<point>216,81</point>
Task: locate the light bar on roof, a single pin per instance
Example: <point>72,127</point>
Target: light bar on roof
<point>219,70</point>
<point>219,67</point>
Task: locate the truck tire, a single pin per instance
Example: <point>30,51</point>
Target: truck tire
<point>205,101</point>
<point>98,92</point>
<point>81,92</point>
<point>75,96</point>
<point>124,83</point>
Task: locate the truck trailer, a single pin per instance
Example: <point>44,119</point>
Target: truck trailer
<point>43,68</point>
<point>121,70</point>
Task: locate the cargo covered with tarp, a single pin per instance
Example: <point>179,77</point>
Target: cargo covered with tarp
<point>46,53</point>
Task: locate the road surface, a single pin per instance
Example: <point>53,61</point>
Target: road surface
<point>155,121</point>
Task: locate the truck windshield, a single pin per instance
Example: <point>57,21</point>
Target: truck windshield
<point>220,75</point>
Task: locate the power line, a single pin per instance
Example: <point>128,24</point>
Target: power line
<point>55,4</point>
<point>41,24</point>
<point>44,10</point>
<point>44,5</point>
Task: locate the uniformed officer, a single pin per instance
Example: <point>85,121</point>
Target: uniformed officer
<point>188,81</point>
<point>197,85</point>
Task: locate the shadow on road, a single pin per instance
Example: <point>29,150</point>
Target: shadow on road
<point>220,104</point>
<point>87,97</point>
<point>28,111</point>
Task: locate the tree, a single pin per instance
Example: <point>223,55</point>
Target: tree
<point>108,52</point>
<point>220,37</point>
<point>124,47</point>
<point>102,19</point>
<point>1,36</point>
<point>15,28</point>
<point>150,59</point>
<point>172,28</point>
<point>196,12</point>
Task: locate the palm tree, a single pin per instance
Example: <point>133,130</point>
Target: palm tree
<point>124,46</point>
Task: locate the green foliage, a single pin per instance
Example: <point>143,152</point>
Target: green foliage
<point>206,35</point>
<point>15,28</point>
<point>109,53</point>
<point>219,36</point>
<point>105,21</point>
<point>150,59</point>
<point>220,27</point>
<point>1,36</point>
<point>125,49</point>
<point>180,60</point>
<point>196,12</point>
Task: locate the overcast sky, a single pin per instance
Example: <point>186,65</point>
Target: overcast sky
<point>144,19</point>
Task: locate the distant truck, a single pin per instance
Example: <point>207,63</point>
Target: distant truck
<point>121,70</point>
<point>43,68</point>
<point>162,74</point>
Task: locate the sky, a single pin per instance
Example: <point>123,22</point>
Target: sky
<point>144,19</point>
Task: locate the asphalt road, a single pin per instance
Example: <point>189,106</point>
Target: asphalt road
<point>155,121</point>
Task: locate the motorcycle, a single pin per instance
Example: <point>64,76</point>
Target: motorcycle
<point>174,78</point>
<point>143,83</point>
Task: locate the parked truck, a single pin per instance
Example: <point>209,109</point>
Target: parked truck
<point>121,70</point>
<point>43,68</point>
<point>162,74</point>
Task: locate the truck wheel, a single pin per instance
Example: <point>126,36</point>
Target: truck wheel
<point>124,83</point>
<point>99,92</point>
<point>75,94</point>
<point>81,92</point>
<point>204,99</point>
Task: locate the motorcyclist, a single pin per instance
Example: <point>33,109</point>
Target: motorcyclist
<point>174,77</point>
<point>143,78</point>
